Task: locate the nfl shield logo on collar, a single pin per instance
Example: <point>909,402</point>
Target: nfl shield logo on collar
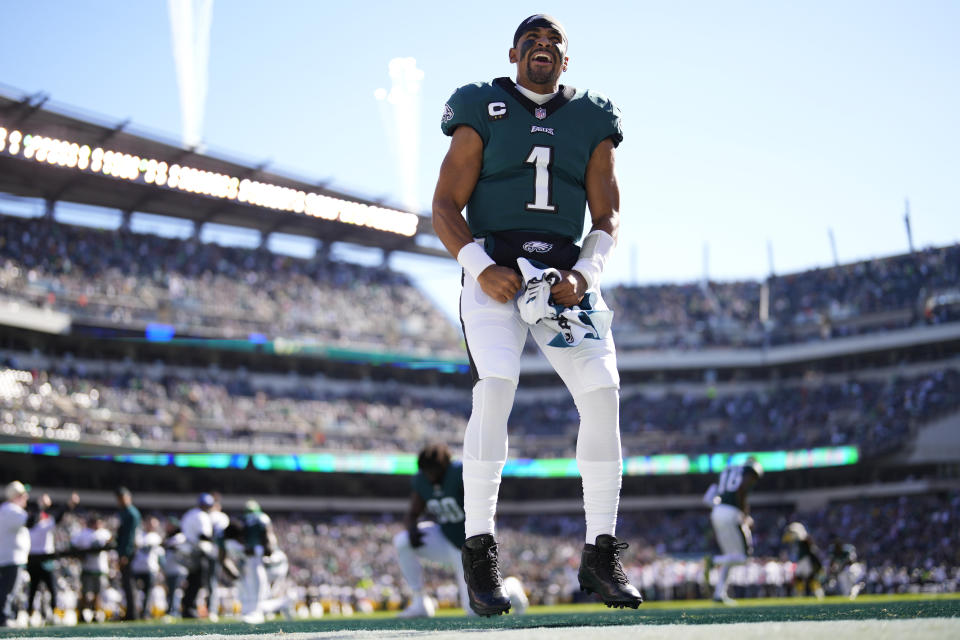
<point>540,113</point>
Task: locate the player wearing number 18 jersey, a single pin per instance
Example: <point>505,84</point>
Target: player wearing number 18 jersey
<point>527,158</point>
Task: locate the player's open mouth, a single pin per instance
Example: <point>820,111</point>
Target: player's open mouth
<point>544,58</point>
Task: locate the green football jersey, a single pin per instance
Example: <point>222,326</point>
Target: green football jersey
<point>255,529</point>
<point>729,483</point>
<point>445,501</point>
<point>534,156</point>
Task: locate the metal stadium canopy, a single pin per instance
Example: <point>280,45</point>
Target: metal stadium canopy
<point>63,157</point>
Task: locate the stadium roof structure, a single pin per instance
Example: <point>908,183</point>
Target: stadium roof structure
<point>59,155</point>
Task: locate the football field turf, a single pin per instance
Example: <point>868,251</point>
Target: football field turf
<point>920,617</point>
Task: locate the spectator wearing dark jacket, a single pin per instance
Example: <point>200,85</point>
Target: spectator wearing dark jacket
<point>126,548</point>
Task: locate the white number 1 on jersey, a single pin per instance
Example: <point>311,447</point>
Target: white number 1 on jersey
<point>542,159</point>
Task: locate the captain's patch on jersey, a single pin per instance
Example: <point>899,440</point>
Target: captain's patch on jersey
<point>447,113</point>
<point>497,110</point>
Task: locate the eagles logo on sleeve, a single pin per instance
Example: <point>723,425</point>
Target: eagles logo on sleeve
<point>447,113</point>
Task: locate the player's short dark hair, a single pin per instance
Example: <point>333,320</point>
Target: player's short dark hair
<point>122,492</point>
<point>435,455</point>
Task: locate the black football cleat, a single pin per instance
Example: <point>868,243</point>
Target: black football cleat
<point>481,570</point>
<point>601,573</point>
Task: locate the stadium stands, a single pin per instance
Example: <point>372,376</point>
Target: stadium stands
<point>205,290</point>
<point>877,414</point>
<point>117,280</point>
<point>876,295</point>
<point>863,354</point>
<point>189,410</point>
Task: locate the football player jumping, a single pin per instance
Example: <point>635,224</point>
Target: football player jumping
<point>526,159</point>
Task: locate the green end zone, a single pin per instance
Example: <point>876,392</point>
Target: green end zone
<point>655,613</point>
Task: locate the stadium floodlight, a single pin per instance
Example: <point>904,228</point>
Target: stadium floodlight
<point>96,160</point>
<point>155,172</point>
<point>323,207</point>
<point>14,141</point>
<point>83,157</point>
<point>30,147</point>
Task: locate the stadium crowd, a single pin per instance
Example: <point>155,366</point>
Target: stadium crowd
<point>204,410</point>
<point>126,279</point>
<point>876,414</point>
<point>346,562</point>
<point>876,295</point>
<point>206,290</point>
<point>822,297</point>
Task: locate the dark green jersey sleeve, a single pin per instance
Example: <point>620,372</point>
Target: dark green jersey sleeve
<point>608,125</point>
<point>466,107</point>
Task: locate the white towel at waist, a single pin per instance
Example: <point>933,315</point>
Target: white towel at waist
<point>572,324</point>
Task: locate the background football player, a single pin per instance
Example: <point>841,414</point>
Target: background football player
<point>846,571</point>
<point>731,521</point>
<point>438,494</point>
<point>803,552</point>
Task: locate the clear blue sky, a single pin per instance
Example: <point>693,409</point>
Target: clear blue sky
<point>746,121</point>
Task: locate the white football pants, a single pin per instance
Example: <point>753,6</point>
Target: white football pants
<point>495,336</point>
<point>436,549</point>
<point>733,536</point>
<point>254,586</point>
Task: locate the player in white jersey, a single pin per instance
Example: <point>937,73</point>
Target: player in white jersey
<point>14,546</point>
<point>174,561</point>
<point>197,528</point>
<point>146,564</point>
<point>90,542</point>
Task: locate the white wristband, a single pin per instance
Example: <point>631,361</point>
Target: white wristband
<point>474,259</point>
<point>596,250</point>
